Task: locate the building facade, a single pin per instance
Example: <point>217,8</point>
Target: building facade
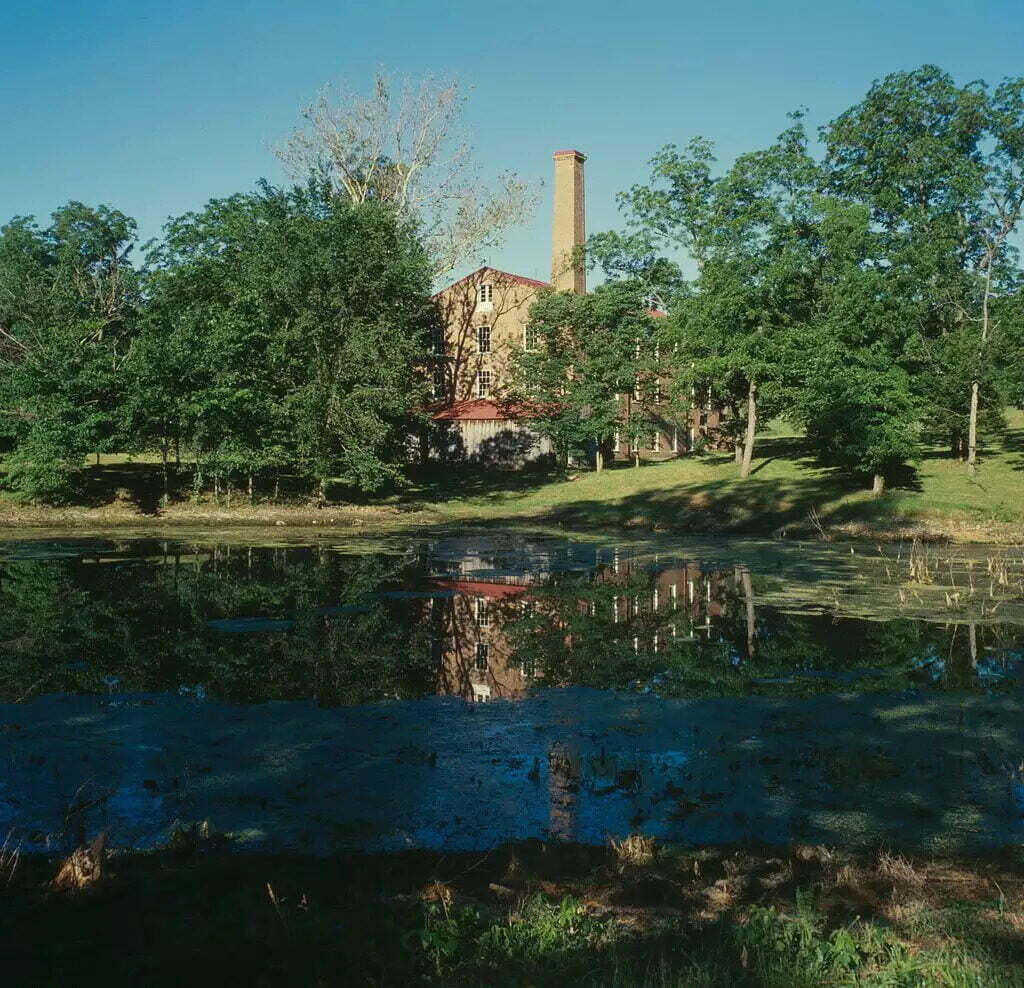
<point>483,320</point>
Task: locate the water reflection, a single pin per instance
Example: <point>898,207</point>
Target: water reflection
<point>322,696</point>
<point>481,621</point>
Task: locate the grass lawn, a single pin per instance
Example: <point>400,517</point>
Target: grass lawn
<point>785,488</point>
<point>788,493</point>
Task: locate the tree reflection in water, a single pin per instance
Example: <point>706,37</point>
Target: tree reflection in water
<point>251,623</point>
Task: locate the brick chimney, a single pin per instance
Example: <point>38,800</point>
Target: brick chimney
<point>567,227</point>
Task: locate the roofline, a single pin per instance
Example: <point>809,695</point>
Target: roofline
<point>518,278</point>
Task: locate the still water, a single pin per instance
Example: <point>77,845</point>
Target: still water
<point>460,691</point>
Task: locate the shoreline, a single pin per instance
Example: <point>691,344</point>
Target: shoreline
<point>352,519</point>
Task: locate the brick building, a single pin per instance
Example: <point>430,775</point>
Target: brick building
<point>484,319</point>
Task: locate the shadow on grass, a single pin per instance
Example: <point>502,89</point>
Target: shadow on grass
<point>476,919</point>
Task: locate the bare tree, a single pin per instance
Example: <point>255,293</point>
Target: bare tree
<point>404,145</point>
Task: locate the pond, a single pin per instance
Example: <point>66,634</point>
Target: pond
<point>458,691</point>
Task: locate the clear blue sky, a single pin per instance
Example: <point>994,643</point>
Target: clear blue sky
<point>154,107</point>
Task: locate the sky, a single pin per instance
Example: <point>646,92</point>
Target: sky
<point>156,107</point>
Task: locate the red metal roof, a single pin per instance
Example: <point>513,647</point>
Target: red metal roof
<point>478,409</point>
<point>482,410</point>
<point>480,588</point>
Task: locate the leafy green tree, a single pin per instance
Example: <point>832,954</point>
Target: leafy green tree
<point>69,300</point>
<point>751,237</point>
<point>939,168</point>
<point>302,322</point>
<point>590,353</point>
<point>855,393</point>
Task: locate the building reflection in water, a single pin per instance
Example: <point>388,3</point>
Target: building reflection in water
<point>647,605</point>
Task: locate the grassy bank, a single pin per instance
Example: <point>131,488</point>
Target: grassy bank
<point>788,494</point>
<point>538,914</point>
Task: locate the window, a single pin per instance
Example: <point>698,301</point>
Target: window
<point>484,293</point>
<point>530,337</point>
<point>437,650</point>
<point>437,339</point>
<point>655,442</point>
<point>636,388</point>
<point>438,382</point>
<point>483,339</point>
<point>481,613</point>
<point>483,651</point>
<point>657,391</point>
<point>483,384</point>
<point>529,669</point>
<point>617,444</point>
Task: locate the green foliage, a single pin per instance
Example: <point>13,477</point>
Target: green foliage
<point>591,353</point>
<point>285,332</point>
<point>69,300</point>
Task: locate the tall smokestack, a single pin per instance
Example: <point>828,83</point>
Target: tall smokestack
<point>567,226</point>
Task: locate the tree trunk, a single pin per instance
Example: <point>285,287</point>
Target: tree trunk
<point>163,458</point>
<point>748,596</point>
<point>598,458</point>
<point>972,434</point>
<point>748,445</point>
<point>250,487</point>
<point>277,486</point>
<point>878,485</point>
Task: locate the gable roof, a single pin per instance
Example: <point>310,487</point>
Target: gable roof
<point>517,279</point>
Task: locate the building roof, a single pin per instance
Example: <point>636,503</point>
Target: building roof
<point>476,409</point>
<point>482,588</point>
<point>502,275</point>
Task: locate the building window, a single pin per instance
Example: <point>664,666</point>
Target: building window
<point>437,339</point>
<point>655,442</point>
<point>636,388</point>
<point>481,612</point>
<point>483,384</point>
<point>529,669</point>
<point>484,293</point>
<point>438,382</point>
<point>657,391</point>
<point>483,339</point>
<point>437,650</point>
<point>483,651</point>
<point>617,444</point>
<point>530,337</point>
